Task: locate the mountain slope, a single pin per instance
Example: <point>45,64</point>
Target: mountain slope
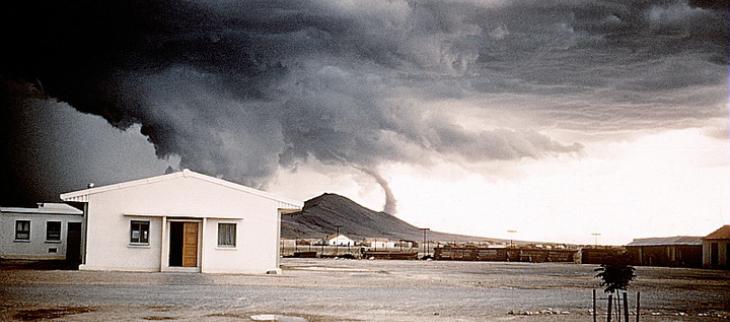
<point>322,215</point>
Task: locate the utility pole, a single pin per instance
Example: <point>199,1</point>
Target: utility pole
<point>425,250</point>
<point>337,243</point>
<point>511,232</point>
<point>595,236</point>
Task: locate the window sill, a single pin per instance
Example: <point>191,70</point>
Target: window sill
<point>138,245</point>
<point>226,248</point>
<point>53,241</point>
<point>21,241</point>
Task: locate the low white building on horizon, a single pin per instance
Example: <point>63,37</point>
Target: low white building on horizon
<point>381,243</point>
<point>183,221</point>
<point>340,240</point>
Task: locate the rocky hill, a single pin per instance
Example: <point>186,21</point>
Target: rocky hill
<point>322,215</point>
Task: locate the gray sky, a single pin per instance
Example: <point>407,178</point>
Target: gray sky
<point>513,99</point>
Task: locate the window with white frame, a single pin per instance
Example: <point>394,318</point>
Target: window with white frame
<point>226,235</point>
<point>53,230</point>
<point>22,230</point>
<point>139,232</point>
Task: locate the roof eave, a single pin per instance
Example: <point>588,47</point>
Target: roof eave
<point>83,195</point>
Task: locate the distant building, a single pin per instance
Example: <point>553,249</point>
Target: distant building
<point>677,251</point>
<point>381,243</point>
<point>716,248</point>
<point>340,240</point>
<point>405,243</point>
<point>51,231</point>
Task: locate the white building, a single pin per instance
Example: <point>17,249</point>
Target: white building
<point>340,240</point>
<point>48,232</point>
<point>183,221</point>
<point>382,244</point>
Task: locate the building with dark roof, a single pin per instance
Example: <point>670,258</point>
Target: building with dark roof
<point>677,251</point>
<point>716,248</point>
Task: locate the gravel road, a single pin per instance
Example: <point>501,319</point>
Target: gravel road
<point>358,290</point>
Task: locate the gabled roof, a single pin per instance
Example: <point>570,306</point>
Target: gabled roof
<point>44,208</point>
<point>666,241</point>
<point>721,233</point>
<point>82,195</point>
<point>334,236</point>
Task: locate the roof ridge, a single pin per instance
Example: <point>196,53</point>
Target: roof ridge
<point>81,195</point>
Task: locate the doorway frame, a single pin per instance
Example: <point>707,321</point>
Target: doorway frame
<point>79,249</point>
<point>165,251</point>
<point>714,254</point>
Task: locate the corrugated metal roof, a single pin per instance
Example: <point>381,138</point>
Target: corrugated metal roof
<point>44,208</point>
<point>82,195</point>
<point>666,241</point>
<point>721,233</point>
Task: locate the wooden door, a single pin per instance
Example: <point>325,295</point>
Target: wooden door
<point>190,245</point>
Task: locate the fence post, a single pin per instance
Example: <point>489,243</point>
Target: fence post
<point>594,305</point>
<point>610,307</point>
<point>626,307</point>
<point>638,305</point>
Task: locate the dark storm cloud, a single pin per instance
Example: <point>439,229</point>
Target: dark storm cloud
<point>240,88</point>
<point>50,145</point>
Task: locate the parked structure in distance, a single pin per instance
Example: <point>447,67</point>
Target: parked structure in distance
<point>183,221</point>
<point>380,243</point>
<point>340,240</point>
<point>677,251</point>
<point>716,248</point>
<point>51,231</point>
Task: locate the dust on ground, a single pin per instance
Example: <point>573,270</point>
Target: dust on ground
<point>359,290</point>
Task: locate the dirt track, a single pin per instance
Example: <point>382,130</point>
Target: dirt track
<point>337,290</point>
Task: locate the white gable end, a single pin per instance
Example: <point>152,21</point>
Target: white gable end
<point>84,195</point>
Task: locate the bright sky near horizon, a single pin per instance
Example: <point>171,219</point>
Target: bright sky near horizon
<point>661,184</point>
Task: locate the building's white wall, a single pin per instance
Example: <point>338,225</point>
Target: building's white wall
<point>382,244</point>
<point>255,251</point>
<point>37,247</point>
<point>341,240</point>
<point>108,238</point>
<point>108,246</point>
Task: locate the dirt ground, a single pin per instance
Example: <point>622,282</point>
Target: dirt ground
<point>359,290</point>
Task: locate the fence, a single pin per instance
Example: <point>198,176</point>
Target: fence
<point>505,254</point>
<point>617,307</point>
<point>603,255</point>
